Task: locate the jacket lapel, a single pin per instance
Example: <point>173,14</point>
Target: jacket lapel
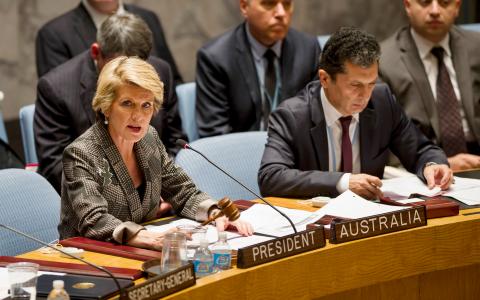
<point>318,132</point>
<point>464,76</point>
<point>414,65</point>
<point>144,151</point>
<point>131,199</point>
<point>368,141</point>
<point>287,66</point>
<point>88,85</point>
<point>246,64</point>
<point>84,26</point>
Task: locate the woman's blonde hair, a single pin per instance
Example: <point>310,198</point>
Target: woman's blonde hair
<point>121,71</point>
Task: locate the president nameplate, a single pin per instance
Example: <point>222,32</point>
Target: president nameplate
<point>280,247</point>
<point>345,231</point>
<point>163,285</point>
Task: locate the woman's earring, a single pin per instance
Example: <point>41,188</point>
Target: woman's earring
<point>106,121</point>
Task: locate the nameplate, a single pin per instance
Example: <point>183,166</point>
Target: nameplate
<point>163,285</point>
<point>280,247</point>
<point>345,231</point>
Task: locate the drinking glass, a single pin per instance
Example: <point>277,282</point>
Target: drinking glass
<point>174,252</point>
<point>23,280</point>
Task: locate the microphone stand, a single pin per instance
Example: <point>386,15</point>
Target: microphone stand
<point>185,145</point>
<point>122,294</point>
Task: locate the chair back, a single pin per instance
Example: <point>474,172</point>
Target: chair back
<point>186,109</point>
<point>239,154</point>
<point>3,131</point>
<point>471,26</point>
<point>28,137</point>
<point>30,204</point>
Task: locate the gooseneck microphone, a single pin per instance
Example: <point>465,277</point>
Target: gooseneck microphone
<point>122,293</point>
<point>185,145</point>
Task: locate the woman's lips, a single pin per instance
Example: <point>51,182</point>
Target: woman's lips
<point>134,128</point>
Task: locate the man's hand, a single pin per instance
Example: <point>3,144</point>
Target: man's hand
<point>438,175</point>
<point>365,185</point>
<point>464,161</point>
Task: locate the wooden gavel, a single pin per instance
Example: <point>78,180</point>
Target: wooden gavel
<point>227,208</point>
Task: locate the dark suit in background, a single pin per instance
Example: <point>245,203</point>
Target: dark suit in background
<point>228,89</point>
<point>73,32</point>
<point>63,111</point>
<point>296,158</point>
<point>402,69</point>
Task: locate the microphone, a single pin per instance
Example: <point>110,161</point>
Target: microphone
<point>185,145</point>
<point>227,208</point>
<point>122,293</point>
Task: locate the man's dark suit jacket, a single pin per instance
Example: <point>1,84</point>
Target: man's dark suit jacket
<point>74,32</point>
<point>296,157</point>
<point>63,111</point>
<point>402,69</point>
<point>228,90</point>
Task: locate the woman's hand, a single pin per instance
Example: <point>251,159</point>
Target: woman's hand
<point>244,228</point>
<point>150,240</point>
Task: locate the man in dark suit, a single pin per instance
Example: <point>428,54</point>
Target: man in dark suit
<point>336,134</point>
<point>246,72</point>
<point>73,32</point>
<point>63,110</point>
<point>433,68</point>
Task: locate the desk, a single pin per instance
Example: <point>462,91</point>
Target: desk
<point>439,261</point>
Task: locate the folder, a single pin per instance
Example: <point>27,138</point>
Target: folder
<point>437,206</point>
<point>111,248</point>
<point>77,286</point>
<point>74,268</point>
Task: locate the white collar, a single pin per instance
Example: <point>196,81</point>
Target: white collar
<point>99,17</point>
<point>330,112</point>
<point>424,46</point>
<point>259,49</point>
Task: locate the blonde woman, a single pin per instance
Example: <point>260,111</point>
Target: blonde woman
<point>115,174</point>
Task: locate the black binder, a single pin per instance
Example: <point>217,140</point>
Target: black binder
<point>104,287</point>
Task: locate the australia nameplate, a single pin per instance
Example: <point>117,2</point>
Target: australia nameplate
<point>163,285</point>
<point>345,231</point>
<point>281,247</point>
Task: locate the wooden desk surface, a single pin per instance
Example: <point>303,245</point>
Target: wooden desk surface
<point>439,261</point>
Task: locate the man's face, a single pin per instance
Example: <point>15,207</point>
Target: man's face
<point>350,92</point>
<point>268,20</point>
<point>432,19</point>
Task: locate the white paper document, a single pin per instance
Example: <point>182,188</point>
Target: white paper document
<point>466,190</point>
<point>350,205</point>
<point>234,239</point>
<point>403,187</point>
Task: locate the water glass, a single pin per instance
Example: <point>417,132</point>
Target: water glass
<point>174,252</point>
<point>23,280</point>
<point>195,232</point>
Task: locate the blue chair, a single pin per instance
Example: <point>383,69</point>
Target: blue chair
<point>28,137</point>
<point>239,154</point>
<point>322,39</point>
<point>186,109</point>
<point>30,204</point>
<point>3,131</point>
<point>471,26</point>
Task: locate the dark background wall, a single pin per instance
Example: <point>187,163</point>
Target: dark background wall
<point>187,23</point>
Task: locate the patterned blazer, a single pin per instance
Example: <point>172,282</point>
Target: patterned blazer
<point>99,199</point>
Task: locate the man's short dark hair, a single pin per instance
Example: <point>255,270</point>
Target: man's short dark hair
<point>349,44</point>
<point>125,34</point>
